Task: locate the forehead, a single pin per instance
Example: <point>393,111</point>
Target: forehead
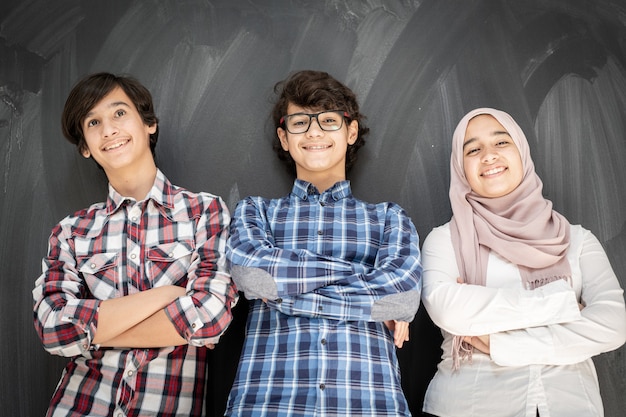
<point>294,108</point>
<point>114,98</point>
<point>484,125</point>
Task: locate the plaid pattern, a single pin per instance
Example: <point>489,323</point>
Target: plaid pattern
<point>122,247</point>
<point>315,350</point>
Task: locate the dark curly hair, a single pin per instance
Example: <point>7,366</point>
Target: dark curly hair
<point>93,88</point>
<point>319,91</point>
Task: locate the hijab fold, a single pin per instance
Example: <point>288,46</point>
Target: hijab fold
<point>521,226</point>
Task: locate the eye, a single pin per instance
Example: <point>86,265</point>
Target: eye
<point>472,151</point>
<point>298,120</point>
<point>92,123</point>
<point>120,113</point>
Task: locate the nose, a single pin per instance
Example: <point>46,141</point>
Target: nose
<point>490,156</point>
<point>109,128</point>
<point>314,128</point>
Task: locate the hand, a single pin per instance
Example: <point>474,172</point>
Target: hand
<point>479,342</point>
<point>400,330</point>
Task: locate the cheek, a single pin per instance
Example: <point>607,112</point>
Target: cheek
<point>467,168</point>
<point>519,168</point>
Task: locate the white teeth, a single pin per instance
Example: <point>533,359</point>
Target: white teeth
<point>493,171</point>
<point>115,145</point>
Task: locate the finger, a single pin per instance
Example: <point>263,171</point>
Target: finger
<point>399,342</point>
<point>402,335</point>
<point>391,325</point>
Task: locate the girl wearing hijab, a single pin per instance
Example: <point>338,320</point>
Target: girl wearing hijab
<point>524,299</point>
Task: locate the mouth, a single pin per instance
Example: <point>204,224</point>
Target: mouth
<point>493,171</point>
<point>316,147</point>
<point>116,145</point>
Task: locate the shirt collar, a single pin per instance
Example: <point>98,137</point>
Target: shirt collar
<point>341,189</point>
<point>161,193</point>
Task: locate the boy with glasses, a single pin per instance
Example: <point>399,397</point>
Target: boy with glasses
<point>330,277</point>
<point>133,288</point>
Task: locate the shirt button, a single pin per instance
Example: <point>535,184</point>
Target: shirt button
<point>320,232</point>
<point>323,341</point>
<point>134,219</point>
<point>320,308</point>
<point>130,373</point>
<point>93,266</point>
<point>322,203</point>
<point>171,255</point>
<point>322,387</point>
<point>279,300</point>
<point>193,325</point>
<point>133,256</point>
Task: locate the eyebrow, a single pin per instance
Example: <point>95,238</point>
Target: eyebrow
<point>494,133</point>
<point>114,104</point>
<point>468,142</point>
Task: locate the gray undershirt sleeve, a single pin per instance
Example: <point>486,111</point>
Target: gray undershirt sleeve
<point>254,282</point>
<point>402,307</point>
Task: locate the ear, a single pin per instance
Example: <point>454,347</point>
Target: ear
<point>152,128</point>
<point>282,136</point>
<point>353,132</point>
<point>85,152</point>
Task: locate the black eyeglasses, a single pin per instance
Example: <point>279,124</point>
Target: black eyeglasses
<point>328,120</point>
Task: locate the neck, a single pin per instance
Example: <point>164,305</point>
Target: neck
<point>134,183</point>
<point>323,181</point>
<point>325,185</point>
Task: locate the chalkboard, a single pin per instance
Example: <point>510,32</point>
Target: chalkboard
<point>558,66</point>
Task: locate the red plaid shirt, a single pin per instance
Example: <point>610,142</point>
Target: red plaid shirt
<point>122,247</point>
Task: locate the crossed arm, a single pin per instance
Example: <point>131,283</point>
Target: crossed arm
<point>300,282</point>
<point>139,320</point>
<point>554,324</point>
<point>69,319</point>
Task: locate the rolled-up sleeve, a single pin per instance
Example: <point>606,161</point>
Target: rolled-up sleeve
<point>205,312</point>
<point>65,318</point>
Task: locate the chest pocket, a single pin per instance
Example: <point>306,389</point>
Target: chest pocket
<point>100,273</point>
<point>168,263</point>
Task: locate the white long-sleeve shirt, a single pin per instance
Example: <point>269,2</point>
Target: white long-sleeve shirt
<point>541,342</point>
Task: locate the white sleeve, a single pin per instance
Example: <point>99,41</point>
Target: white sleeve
<point>602,327</point>
<point>473,310</point>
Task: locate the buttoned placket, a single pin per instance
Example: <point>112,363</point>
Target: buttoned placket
<point>134,240</point>
<point>133,270</point>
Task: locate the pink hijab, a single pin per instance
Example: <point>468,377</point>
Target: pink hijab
<point>520,226</point>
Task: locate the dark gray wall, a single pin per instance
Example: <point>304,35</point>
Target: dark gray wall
<point>558,66</point>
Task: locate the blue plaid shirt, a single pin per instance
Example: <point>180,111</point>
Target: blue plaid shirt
<point>330,268</point>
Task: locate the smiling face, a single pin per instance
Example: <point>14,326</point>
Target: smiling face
<point>116,136</point>
<point>319,155</point>
<point>491,160</point>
